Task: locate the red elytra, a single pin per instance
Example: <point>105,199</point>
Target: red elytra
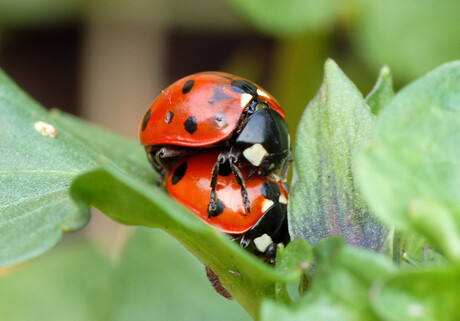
<point>208,101</point>
<point>191,188</point>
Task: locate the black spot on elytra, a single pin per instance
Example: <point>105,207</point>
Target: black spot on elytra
<point>224,169</point>
<point>271,191</point>
<point>169,117</point>
<point>146,120</point>
<point>220,206</point>
<point>191,124</point>
<point>243,86</point>
<point>179,173</point>
<point>188,86</point>
<point>220,119</point>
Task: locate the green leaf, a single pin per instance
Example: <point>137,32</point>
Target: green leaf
<point>324,199</point>
<point>294,259</point>
<point>288,17</point>
<point>132,201</point>
<point>438,224</point>
<point>155,279</point>
<point>414,249</point>
<point>339,288</point>
<point>73,282</point>
<point>36,172</point>
<point>428,295</point>
<point>293,262</point>
<point>411,36</point>
<point>382,92</point>
<point>411,173</point>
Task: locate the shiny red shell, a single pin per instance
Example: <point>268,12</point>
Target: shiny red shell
<point>192,189</point>
<point>207,101</point>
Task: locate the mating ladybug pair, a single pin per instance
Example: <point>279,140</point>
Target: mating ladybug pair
<point>221,145</point>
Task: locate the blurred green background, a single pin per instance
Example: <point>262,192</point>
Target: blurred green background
<point>107,60</point>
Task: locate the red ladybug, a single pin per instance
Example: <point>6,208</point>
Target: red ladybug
<point>215,109</point>
<point>189,180</point>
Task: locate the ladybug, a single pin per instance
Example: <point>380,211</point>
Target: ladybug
<point>188,182</point>
<point>215,109</point>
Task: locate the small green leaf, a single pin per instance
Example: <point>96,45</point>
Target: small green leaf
<point>438,224</point>
<point>415,158</point>
<point>413,248</point>
<point>132,201</point>
<point>324,198</point>
<point>339,287</point>
<point>382,92</point>
<point>423,295</point>
<point>296,258</point>
<point>332,257</point>
<point>36,171</point>
<point>288,17</point>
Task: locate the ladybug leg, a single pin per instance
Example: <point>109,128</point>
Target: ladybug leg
<point>212,207</point>
<point>245,241</point>
<point>240,180</point>
<point>231,157</point>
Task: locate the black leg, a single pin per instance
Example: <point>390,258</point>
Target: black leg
<point>240,180</point>
<point>212,207</point>
<point>227,156</point>
<point>245,240</point>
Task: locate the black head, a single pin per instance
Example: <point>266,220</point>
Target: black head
<point>264,141</point>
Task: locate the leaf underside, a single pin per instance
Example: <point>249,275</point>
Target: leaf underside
<point>324,199</point>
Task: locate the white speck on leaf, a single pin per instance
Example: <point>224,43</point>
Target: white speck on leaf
<point>45,129</point>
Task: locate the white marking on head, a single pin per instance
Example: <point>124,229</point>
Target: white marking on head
<point>245,99</point>
<point>262,242</point>
<point>255,154</point>
<point>262,93</point>
<point>266,204</point>
<point>45,129</point>
<point>271,166</point>
<point>282,200</point>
